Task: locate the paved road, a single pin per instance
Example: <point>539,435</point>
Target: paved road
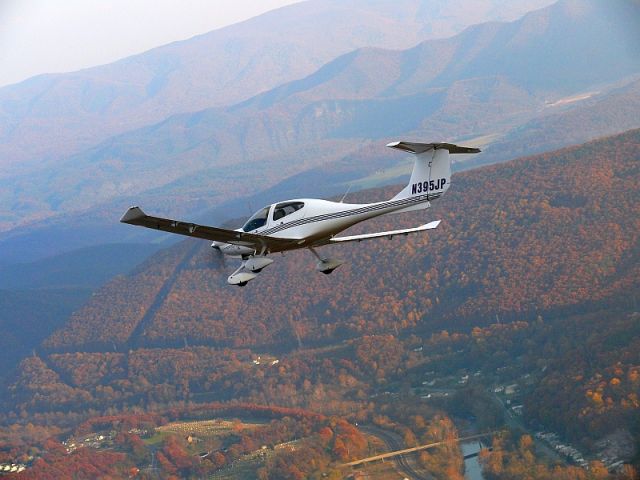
<point>517,424</point>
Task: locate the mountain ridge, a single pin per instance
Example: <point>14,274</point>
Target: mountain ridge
<point>605,112</point>
<point>68,111</point>
<point>331,117</point>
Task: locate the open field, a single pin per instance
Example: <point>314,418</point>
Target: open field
<point>207,428</point>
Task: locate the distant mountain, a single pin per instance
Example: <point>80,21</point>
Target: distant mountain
<point>572,120</point>
<point>482,82</point>
<point>48,116</point>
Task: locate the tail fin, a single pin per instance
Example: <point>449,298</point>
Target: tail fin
<point>431,176</point>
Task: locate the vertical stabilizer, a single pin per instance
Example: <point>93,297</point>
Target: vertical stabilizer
<point>431,175</point>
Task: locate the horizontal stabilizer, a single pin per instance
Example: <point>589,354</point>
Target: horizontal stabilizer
<point>418,148</point>
<point>390,234</point>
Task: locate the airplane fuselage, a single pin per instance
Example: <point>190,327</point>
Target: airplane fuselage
<point>317,221</point>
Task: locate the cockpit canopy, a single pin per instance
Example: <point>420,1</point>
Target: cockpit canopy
<point>257,220</point>
<point>281,210</point>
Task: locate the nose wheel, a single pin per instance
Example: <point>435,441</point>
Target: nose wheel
<point>241,277</point>
<point>248,270</point>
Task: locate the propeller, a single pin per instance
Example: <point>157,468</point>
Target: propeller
<point>219,257</point>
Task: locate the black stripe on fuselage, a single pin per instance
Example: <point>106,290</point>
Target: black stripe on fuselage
<point>402,203</point>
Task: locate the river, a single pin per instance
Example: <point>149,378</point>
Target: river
<point>472,470</point>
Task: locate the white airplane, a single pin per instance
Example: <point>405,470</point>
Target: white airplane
<point>310,223</point>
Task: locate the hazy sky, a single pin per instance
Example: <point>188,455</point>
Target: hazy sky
<point>44,36</point>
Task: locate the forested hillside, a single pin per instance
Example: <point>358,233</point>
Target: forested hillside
<point>555,232</point>
<point>514,323</point>
<point>531,278</point>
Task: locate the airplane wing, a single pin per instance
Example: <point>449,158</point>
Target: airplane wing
<point>135,216</point>
<point>390,234</point>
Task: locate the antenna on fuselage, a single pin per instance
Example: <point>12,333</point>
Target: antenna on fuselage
<point>346,193</point>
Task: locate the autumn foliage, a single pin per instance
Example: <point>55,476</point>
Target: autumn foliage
<point>525,236</point>
<point>534,270</point>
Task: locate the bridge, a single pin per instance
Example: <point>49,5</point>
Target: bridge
<point>405,451</point>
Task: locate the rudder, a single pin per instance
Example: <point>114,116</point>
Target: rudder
<point>431,175</point>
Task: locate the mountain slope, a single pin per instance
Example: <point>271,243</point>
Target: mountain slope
<point>516,239</point>
<point>51,115</point>
<point>29,316</point>
<point>86,267</point>
<point>36,298</point>
<point>525,244</point>
<point>572,120</point>
<point>549,50</point>
<point>592,116</point>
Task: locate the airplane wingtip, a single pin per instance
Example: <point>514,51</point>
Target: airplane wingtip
<point>133,213</point>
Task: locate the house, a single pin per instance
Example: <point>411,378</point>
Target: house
<point>510,389</point>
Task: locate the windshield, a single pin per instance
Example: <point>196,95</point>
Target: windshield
<point>257,220</point>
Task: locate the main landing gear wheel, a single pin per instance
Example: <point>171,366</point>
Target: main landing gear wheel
<point>328,265</point>
<point>325,265</point>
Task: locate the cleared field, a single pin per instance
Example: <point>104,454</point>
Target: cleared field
<point>207,428</point>
<point>156,439</point>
